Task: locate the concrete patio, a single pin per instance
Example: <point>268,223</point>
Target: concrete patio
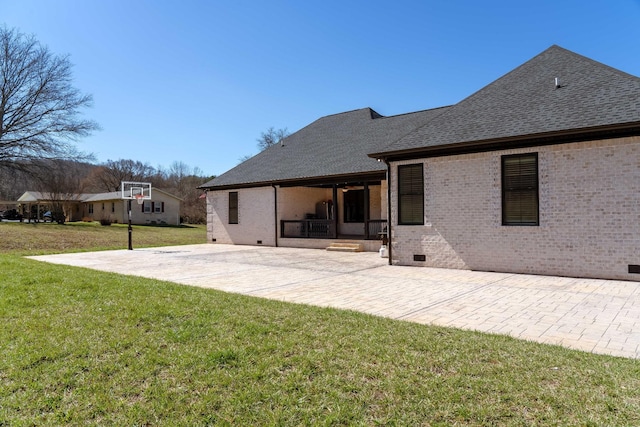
<point>600,316</point>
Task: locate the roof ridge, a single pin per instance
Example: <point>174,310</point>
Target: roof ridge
<point>348,112</point>
<point>593,61</point>
<point>540,108</point>
<point>416,112</point>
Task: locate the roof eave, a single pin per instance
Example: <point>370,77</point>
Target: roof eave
<point>301,182</point>
<point>522,141</point>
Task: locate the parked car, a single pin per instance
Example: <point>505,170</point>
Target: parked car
<point>11,214</point>
<point>54,216</point>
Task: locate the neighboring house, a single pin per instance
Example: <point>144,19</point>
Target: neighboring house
<point>163,208</point>
<point>538,172</point>
<point>33,205</point>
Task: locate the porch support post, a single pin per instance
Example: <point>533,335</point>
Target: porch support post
<point>366,210</point>
<point>335,210</point>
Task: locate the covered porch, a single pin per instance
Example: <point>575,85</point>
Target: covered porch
<point>353,210</point>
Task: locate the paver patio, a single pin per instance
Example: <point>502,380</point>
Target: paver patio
<point>600,316</point>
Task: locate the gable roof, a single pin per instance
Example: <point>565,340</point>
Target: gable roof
<point>525,106</point>
<point>117,195</point>
<point>332,147</point>
<point>38,196</point>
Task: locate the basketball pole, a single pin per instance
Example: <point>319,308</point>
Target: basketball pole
<point>130,229</point>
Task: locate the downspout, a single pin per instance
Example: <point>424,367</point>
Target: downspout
<point>389,245</point>
<point>275,212</point>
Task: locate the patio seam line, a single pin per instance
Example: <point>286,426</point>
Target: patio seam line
<point>342,273</point>
<point>461,294</point>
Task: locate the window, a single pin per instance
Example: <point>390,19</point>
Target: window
<point>90,208</point>
<point>233,207</point>
<point>353,206</point>
<point>520,189</point>
<point>146,206</point>
<point>157,207</point>
<point>113,207</point>
<point>410,195</point>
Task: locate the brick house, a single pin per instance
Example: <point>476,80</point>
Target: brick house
<point>162,209</point>
<point>538,172</point>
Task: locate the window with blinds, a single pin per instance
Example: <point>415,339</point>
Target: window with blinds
<point>410,195</point>
<point>520,189</point>
<point>233,207</point>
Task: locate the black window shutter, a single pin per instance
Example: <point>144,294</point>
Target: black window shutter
<point>410,195</point>
<point>233,207</point>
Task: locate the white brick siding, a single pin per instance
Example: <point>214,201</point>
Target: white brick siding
<point>255,217</point>
<point>589,213</point>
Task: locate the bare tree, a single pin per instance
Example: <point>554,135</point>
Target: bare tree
<point>183,181</point>
<point>62,184</point>
<point>13,183</point>
<point>109,175</point>
<point>39,108</point>
<point>271,137</point>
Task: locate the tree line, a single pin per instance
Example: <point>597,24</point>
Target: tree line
<point>66,179</point>
<point>41,118</point>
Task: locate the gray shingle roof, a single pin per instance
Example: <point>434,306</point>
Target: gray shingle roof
<point>523,104</point>
<point>526,102</point>
<point>335,145</point>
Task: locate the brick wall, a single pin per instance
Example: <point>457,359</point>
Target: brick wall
<point>255,217</point>
<point>589,213</point>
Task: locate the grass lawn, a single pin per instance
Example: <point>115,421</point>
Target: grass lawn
<point>81,347</point>
<point>38,238</point>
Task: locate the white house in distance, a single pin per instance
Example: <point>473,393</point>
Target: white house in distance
<point>538,172</point>
<point>162,209</point>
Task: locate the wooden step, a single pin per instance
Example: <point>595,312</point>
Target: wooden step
<point>345,247</point>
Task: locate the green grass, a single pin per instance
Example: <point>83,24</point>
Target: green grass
<point>81,347</point>
<point>38,238</point>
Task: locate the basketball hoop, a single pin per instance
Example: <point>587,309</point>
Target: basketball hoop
<point>139,199</point>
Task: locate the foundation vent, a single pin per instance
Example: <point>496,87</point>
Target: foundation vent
<point>419,257</point>
<point>634,269</point>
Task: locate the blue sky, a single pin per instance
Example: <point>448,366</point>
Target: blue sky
<point>198,81</point>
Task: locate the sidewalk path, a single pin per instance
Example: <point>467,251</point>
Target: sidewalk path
<point>601,316</point>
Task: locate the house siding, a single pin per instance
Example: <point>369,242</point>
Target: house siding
<point>255,217</point>
<point>170,216</point>
<point>589,206</point>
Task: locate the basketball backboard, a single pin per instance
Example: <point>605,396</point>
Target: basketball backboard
<point>132,190</point>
